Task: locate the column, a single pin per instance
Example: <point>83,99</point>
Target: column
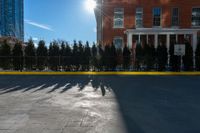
<point>168,48</point>
<point>194,41</point>
<point>176,38</point>
<point>147,39</point>
<point>139,38</point>
<point>156,40</point>
<point>168,41</point>
<point>185,36</point>
<point>129,40</point>
<point>194,44</point>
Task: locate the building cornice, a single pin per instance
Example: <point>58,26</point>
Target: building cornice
<point>161,31</point>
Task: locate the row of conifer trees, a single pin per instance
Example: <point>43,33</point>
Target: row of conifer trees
<point>162,59</point>
<point>61,56</point>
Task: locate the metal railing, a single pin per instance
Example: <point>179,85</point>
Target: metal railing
<point>71,63</point>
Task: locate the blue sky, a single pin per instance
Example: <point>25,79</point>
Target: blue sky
<point>59,19</point>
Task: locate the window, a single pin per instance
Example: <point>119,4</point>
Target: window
<point>139,17</point>
<point>175,17</point>
<point>196,17</point>
<point>118,18</point>
<point>118,42</point>
<point>157,17</point>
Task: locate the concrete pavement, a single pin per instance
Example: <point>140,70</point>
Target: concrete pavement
<point>99,104</point>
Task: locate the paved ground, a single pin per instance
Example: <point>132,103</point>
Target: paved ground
<point>99,104</point>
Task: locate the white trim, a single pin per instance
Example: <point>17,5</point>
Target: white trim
<point>142,11</point>
<point>114,19</point>
<point>194,26</point>
<point>118,27</point>
<point>160,31</point>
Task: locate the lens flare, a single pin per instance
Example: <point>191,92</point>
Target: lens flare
<point>90,5</point>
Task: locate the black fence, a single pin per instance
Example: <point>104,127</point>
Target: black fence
<point>98,63</point>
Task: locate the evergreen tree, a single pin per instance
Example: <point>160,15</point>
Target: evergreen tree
<point>50,57</point>
<point>87,56</point>
<point>17,54</point>
<point>113,57</point>
<point>54,57</point>
<point>162,57</point>
<point>94,50</point>
<point>42,53</point>
<point>5,53</point>
<point>94,57</point>
<point>101,57</point>
<point>63,55</point>
<point>75,56</point>
<point>68,57</point>
<point>119,57</point>
<point>139,56</point>
<point>188,58</point>
<point>174,59</point>
<point>107,58</point>
<point>149,56</point>
<point>80,55</point>
<point>30,55</point>
<point>197,57</point>
<point>126,58</point>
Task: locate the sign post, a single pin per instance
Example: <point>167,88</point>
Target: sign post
<point>179,50</point>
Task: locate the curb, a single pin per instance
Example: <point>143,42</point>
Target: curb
<point>105,73</point>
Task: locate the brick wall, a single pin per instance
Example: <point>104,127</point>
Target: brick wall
<point>185,10</point>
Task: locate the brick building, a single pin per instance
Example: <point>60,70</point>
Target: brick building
<point>127,22</point>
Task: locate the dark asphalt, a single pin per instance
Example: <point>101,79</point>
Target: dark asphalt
<point>133,104</point>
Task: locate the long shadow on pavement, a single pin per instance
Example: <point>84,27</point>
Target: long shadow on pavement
<point>148,104</point>
<point>10,84</point>
<point>154,104</point>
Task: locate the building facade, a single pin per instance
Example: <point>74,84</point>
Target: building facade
<point>12,18</point>
<point>128,22</point>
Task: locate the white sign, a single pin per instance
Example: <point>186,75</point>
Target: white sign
<point>179,49</point>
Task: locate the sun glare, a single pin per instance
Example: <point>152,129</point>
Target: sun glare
<point>90,5</point>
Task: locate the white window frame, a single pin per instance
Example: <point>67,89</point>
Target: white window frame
<point>114,41</point>
<point>140,19</point>
<point>160,17</point>
<point>192,18</point>
<point>118,19</point>
<point>177,17</point>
